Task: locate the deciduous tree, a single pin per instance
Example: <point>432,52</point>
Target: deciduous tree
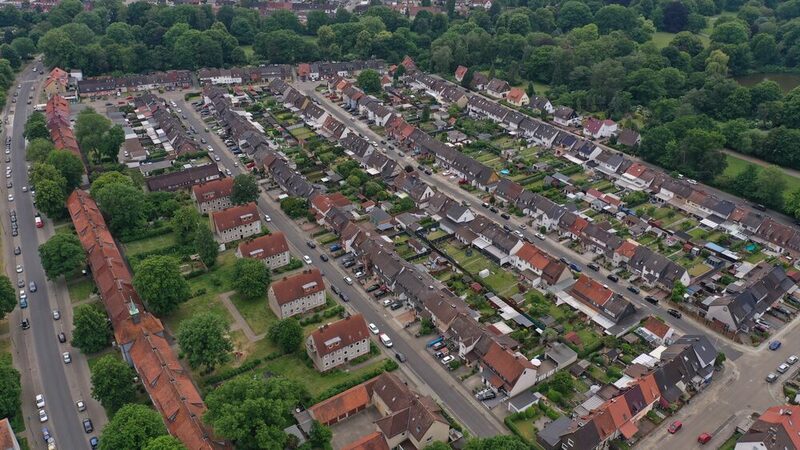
<point>62,254</point>
<point>91,330</point>
<point>69,165</point>
<point>287,333</point>
<point>204,340</point>
<point>133,426</point>
<point>112,383</point>
<point>160,284</point>
<point>8,297</point>
<point>165,442</point>
<point>245,189</point>
<point>250,278</point>
<point>206,246</point>
<point>39,149</point>
<point>370,81</point>
<point>10,388</point>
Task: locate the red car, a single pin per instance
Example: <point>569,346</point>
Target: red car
<point>704,438</point>
<point>675,426</point>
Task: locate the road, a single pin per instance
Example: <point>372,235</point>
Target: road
<point>425,370</point>
<point>61,384</point>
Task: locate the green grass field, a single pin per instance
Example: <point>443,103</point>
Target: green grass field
<point>662,38</point>
<point>255,312</point>
<point>149,244</point>
<point>737,165</point>
<point>80,289</point>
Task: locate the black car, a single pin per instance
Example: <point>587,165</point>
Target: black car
<point>344,297</point>
<point>311,244</point>
<point>17,250</point>
<point>759,207</point>
<point>593,266</point>
<point>396,305</point>
<point>25,324</point>
<point>612,277</point>
<point>633,289</point>
<point>505,216</point>
<point>62,337</point>
<point>335,289</point>
<point>674,313</point>
<point>650,299</point>
<point>400,357</point>
<point>87,425</point>
<point>349,263</point>
<point>493,209</point>
<point>323,257</point>
<point>506,227</point>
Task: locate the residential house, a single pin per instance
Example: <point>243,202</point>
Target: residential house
<point>656,269</point>
<point>510,372</point>
<point>776,428</point>
<point>460,72</point>
<point>566,116</point>
<point>272,249</point>
<point>8,439</point>
<point>213,196</point>
<point>236,222</point>
<point>598,302</point>
<point>599,128</point>
<point>629,138</point>
<point>297,294</point>
<point>322,204</point>
<point>56,82</point>
<point>546,271</point>
<point>334,344</point>
<point>183,179</point>
<point>498,88</point>
<point>542,104</point>
<point>656,332</point>
<point>517,97</point>
<point>508,191</point>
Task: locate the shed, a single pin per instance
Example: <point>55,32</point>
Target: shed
<point>523,401</point>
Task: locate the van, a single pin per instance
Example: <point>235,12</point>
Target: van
<point>385,340</point>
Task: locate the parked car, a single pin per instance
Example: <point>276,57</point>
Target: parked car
<point>783,368</point>
<point>40,401</point>
<point>373,287</point>
<point>704,438</point>
<point>792,359</point>
<point>493,209</point>
<point>373,328</point>
<point>348,280</point>
<point>771,377</point>
<point>651,299</point>
<point>674,313</point>
<point>594,266</point>
<point>674,427</point>
<point>62,338</point>
<point>612,277</point>
<point>311,244</point>
<point>633,289</point>
<point>323,257</point>
<point>385,340</point>
<point>42,416</point>
<point>94,442</point>
<point>387,301</point>
<point>88,427</point>
<point>80,405</point>
<point>575,267</point>
<point>774,345</point>
<point>396,305</point>
<point>400,357</point>
<point>539,236</point>
<point>307,259</point>
<point>486,394</point>
<point>505,216</point>
<point>67,358</point>
<point>448,359</point>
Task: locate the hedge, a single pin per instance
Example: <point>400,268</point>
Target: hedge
<point>145,233</point>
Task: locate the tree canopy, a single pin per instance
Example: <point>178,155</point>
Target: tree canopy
<point>62,254</point>
<point>112,383</point>
<point>250,278</point>
<point>134,426</point>
<point>160,284</point>
<point>287,333</point>
<point>91,330</point>
<point>204,340</point>
<point>245,189</point>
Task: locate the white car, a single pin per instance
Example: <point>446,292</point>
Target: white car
<point>348,280</point>
<point>267,218</point>
<point>783,368</point>
<point>39,401</point>
<point>448,359</point>
<point>19,268</point>
<point>386,340</point>
<point>10,198</point>
<point>56,314</point>
<point>67,357</point>
<point>42,416</point>
<point>24,188</point>
<point>217,158</point>
<point>307,259</point>
<point>81,406</point>
<point>539,236</point>
<point>372,327</point>
<point>792,359</point>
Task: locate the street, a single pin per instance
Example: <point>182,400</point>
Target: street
<point>42,368</point>
<point>430,377</point>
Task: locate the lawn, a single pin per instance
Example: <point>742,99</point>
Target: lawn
<point>737,165</point>
<point>248,50</point>
<point>698,269</point>
<point>502,282</point>
<point>149,244</point>
<point>255,312</point>
<point>526,429</point>
<point>662,39</point>
<point>588,337</point>
<point>80,289</point>
<point>294,368</point>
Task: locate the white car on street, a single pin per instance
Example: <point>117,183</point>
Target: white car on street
<point>373,328</point>
<point>42,416</point>
<point>307,259</point>
<point>39,401</point>
<point>67,358</point>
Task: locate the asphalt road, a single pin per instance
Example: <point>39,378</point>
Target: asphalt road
<point>425,368</point>
<point>40,342</point>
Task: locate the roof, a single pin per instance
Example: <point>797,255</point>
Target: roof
<point>588,289</point>
<point>182,178</point>
<point>212,190</point>
<point>297,286</point>
<point>533,256</point>
<point>515,95</point>
<point>372,441</point>
<point>765,429</point>
<point>656,327</point>
<point>235,216</point>
<point>340,404</point>
<point>508,366</point>
<point>334,336</point>
<point>265,246</point>
<point>8,440</point>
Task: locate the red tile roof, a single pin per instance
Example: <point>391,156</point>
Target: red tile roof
<point>235,216</point>
<point>785,416</point>
<point>331,337</point>
<point>460,72</point>
<point>506,364</point>
<point>515,95</point>
<point>337,406</point>
<point>656,326</point>
<point>212,190</point>
<point>297,286</point>
<point>627,249</point>
<point>635,170</point>
<point>263,247</point>
<point>7,438</point>
<point>533,256</point>
<point>588,289</point>
<point>373,441</point>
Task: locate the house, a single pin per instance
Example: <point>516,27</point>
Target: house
<point>334,344</point>
<point>8,440</point>
<point>656,332</point>
<point>297,294</point>
<point>629,138</point>
<point>506,371</point>
<point>598,302</point>
<point>182,179</point>
<point>498,88</point>
<point>517,97</point>
<point>461,71</point>
<point>407,419</point>
<point>656,269</point>
<point>381,219</point>
<point>542,104</point>
<point>56,82</point>
<point>213,195</point>
<point>529,259</point>
<point>566,116</point>
<point>321,204</point>
<point>776,428</point>
<point>599,128</point>
<point>236,222</point>
<point>272,249</point>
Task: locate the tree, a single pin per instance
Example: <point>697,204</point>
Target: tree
<point>769,186</point>
<point>61,254</point>
<point>206,246</point>
<point>133,426</point>
<point>203,338</point>
<point>563,383</point>
<point>50,198</point>
<point>69,165</point>
<point>165,442</point>
<point>244,190</point>
<point>10,388</point>
<point>8,297</point>
<point>426,113</point>
<point>635,198</point>
<point>36,127</point>
<point>253,411</point>
<point>294,207</point>
<point>438,445</point>
<point>370,81</point>
<point>288,334</point>
<point>744,182</point>
<point>91,331</point>
<point>250,278</point>
<point>184,223</point>
<point>573,14</point>
<point>678,291</point>
<point>122,205</point>
<point>38,150</point>
<point>112,383</point>
<point>160,284</point>
<point>505,442</point>
<point>320,436</point>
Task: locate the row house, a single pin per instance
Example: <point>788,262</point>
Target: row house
<point>378,164</point>
<point>334,129</point>
<point>778,237</point>
<point>566,117</point>
<point>656,269</point>
<point>236,222</point>
<point>322,204</point>
<point>334,344</point>
<point>541,104</point>
<point>296,294</point>
<point>546,271</point>
<point>271,249</point>
<point>239,75</point>
<point>598,302</point>
<point>508,191</point>
<point>356,146</point>
<point>291,182</point>
<point>480,106</point>
<point>213,195</point>
<point>315,71</point>
<point>599,128</point>
<point>498,88</point>
<point>108,85</point>
<point>411,184</point>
